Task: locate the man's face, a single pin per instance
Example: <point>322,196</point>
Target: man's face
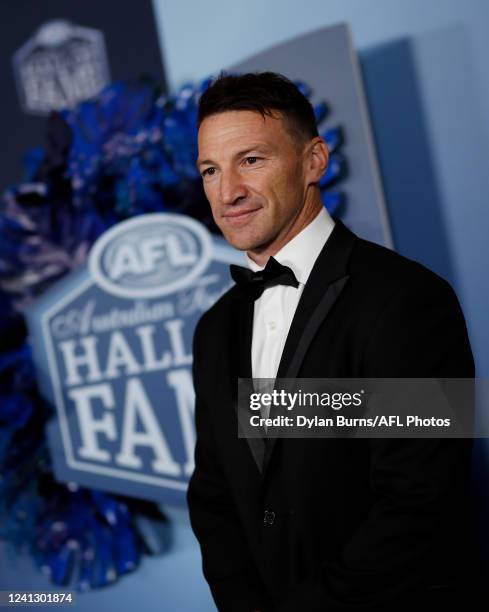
<point>254,176</point>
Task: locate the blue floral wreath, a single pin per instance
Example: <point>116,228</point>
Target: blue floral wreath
<point>130,151</point>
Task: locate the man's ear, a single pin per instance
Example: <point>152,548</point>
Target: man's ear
<point>317,159</point>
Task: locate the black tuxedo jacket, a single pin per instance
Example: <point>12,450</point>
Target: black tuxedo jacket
<point>351,524</point>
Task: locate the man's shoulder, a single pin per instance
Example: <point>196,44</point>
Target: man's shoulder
<point>383,267</point>
<point>217,317</point>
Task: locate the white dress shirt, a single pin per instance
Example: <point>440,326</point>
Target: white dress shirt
<point>275,308</point>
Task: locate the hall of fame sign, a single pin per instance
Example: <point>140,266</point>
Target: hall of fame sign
<point>112,346</point>
<point>61,65</point>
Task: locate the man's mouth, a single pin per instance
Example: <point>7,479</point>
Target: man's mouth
<point>239,216</point>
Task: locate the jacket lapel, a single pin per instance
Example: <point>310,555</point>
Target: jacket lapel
<point>241,363</point>
<point>324,285</point>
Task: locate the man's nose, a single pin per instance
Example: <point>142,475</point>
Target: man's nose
<point>232,188</point>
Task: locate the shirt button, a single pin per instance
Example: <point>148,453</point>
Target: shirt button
<point>272,325</point>
<point>268,518</point>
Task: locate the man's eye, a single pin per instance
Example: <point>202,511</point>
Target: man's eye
<point>251,160</point>
<point>208,172</point>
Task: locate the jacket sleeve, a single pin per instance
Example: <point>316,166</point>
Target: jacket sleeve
<point>419,487</point>
<point>226,560</point>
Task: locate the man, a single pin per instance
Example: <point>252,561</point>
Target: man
<point>316,524</point>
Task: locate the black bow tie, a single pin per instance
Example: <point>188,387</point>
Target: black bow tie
<point>254,284</point>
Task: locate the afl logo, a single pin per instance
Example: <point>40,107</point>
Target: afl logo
<point>151,255</point>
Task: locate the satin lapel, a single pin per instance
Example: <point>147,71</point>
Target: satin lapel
<point>324,285</point>
<point>317,317</point>
<point>241,364</point>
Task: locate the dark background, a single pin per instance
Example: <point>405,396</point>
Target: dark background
<point>132,46</point>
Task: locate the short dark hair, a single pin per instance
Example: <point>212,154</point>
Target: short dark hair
<point>263,92</point>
